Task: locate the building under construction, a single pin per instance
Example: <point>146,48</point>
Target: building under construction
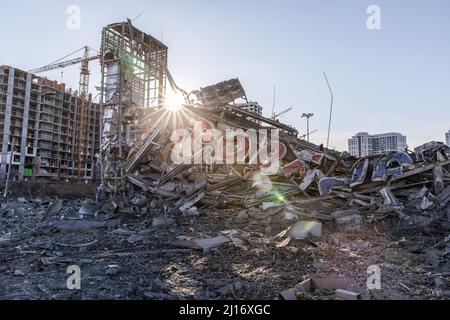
<point>40,121</point>
<point>48,131</point>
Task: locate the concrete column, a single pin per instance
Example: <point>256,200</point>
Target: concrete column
<point>74,135</point>
<point>6,131</point>
<point>26,113</point>
<point>36,126</point>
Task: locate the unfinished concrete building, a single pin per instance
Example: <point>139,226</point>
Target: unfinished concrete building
<point>39,124</point>
<point>133,68</point>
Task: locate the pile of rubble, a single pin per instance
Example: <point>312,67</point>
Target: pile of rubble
<point>310,184</point>
<point>283,207</point>
<point>305,180</point>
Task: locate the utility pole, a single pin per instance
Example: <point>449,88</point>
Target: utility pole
<point>331,109</point>
<point>307,116</point>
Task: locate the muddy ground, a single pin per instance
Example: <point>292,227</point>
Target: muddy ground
<point>125,256</point>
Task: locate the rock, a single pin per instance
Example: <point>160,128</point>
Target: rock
<point>77,225</point>
<point>112,270</point>
<point>18,212</point>
<point>87,208</point>
<point>288,216</point>
<point>53,209</point>
<point>156,295</point>
<point>22,200</point>
<point>37,200</point>
<point>162,222</point>
<point>138,200</point>
<point>159,285</point>
<point>347,295</point>
<point>350,222</point>
<point>135,238</point>
<point>109,208</point>
<point>192,212</point>
<point>238,285</point>
<point>19,273</point>
<point>242,216</point>
<point>6,238</point>
<point>304,229</point>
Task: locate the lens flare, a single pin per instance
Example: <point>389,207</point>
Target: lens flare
<point>174,100</point>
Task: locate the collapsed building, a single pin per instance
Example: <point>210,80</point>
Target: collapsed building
<point>133,68</point>
<point>126,140</point>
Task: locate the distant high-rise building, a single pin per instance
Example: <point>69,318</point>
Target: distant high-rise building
<point>251,106</point>
<point>364,144</point>
<point>447,138</point>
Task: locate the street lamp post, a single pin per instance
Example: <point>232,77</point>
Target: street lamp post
<point>307,116</point>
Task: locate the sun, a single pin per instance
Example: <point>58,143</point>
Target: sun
<point>174,100</point>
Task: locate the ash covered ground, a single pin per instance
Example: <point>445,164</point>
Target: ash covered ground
<point>149,254</point>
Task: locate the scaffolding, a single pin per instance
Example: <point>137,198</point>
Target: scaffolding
<point>133,70</point>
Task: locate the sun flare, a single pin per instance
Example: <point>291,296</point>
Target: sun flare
<point>174,100</point>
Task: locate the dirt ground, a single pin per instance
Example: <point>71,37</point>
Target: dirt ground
<point>129,258</point>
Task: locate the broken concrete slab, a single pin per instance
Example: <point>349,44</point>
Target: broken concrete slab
<point>6,238</point>
<point>347,295</point>
<point>53,209</point>
<point>87,208</point>
<point>203,244</point>
<point>350,222</point>
<point>304,229</point>
<point>314,283</point>
<point>291,294</point>
<point>79,225</point>
<point>162,221</point>
<point>135,238</point>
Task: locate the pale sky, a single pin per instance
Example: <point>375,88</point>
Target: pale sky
<point>393,79</point>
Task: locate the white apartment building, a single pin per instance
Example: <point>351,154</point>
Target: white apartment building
<point>251,106</point>
<point>363,144</point>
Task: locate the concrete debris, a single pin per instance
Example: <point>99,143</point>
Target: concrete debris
<point>350,222</point>
<point>77,225</point>
<point>162,222</point>
<point>135,238</point>
<point>112,270</point>
<point>206,244</point>
<point>312,284</point>
<point>53,209</point>
<point>304,229</point>
<point>203,244</point>
<point>87,208</point>
<point>6,238</point>
<point>347,295</point>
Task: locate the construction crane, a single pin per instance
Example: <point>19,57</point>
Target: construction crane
<point>83,91</point>
<point>83,94</point>
<point>64,64</point>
